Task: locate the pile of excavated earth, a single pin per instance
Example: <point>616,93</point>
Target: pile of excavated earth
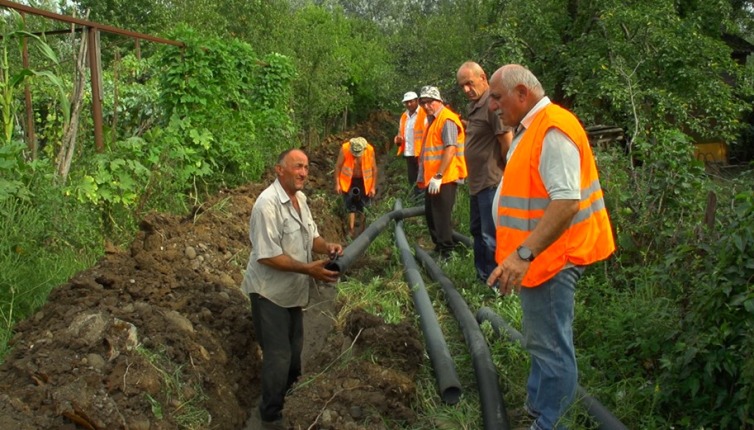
<point>157,335</point>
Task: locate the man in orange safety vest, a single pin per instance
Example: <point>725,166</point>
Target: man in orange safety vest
<point>441,166</point>
<point>410,136</point>
<point>551,223</point>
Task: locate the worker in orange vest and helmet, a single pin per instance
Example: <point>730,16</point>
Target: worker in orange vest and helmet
<point>410,137</point>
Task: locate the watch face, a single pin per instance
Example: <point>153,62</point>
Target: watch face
<point>524,253</point>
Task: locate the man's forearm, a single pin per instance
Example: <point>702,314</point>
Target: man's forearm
<point>447,156</point>
<point>555,221</point>
<point>285,263</point>
<point>319,245</point>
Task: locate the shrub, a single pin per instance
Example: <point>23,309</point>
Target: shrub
<point>709,373</point>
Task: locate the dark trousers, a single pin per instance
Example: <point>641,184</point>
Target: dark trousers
<point>412,170</point>
<point>438,209</point>
<point>280,333</point>
<point>483,230</point>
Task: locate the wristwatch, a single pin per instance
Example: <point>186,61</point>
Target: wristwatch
<point>438,176</point>
<point>525,253</point>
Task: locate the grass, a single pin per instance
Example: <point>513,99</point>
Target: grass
<point>375,291</point>
<point>34,258</point>
<point>50,237</point>
<point>622,312</point>
<point>387,299</point>
<point>183,408</point>
<point>384,292</point>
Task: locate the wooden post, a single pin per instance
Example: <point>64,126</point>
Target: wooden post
<point>116,65</point>
<point>95,68</point>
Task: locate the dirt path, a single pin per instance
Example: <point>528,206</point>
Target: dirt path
<point>319,322</point>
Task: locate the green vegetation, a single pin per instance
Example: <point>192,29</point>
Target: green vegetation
<point>649,336</point>
<point>663,329</point>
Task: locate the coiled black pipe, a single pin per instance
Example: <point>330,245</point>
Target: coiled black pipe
<point>493,408</point>
<point>604,418</point>
<point>448,384</point>
<point>353,251</point>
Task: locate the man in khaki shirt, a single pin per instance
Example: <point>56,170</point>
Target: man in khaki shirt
<point>281,267</point>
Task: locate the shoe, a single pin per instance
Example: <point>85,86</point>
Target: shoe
<point>522,418</point>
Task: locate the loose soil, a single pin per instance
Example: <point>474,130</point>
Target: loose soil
<point>159,336</point>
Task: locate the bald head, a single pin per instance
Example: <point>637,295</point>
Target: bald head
<point>472,67</point>
<point>472,80</point>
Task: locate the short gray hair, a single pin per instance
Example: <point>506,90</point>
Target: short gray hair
<point>515,74</point>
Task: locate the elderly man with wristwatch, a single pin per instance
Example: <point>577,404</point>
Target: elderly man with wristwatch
<point>442,165</point>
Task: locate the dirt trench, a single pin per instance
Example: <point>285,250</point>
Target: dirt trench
<point>159,336</point>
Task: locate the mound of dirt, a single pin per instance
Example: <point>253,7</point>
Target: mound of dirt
<point>369,379</point>
<point>159,336</point>
<point>148,337</point>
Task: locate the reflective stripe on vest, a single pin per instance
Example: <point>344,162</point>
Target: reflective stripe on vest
<point>523,200</point>
<point>367,168</point>
<point>538,205</point>
<point>433,147</point>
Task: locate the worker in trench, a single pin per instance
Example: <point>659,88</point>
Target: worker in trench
<point>356,180</point>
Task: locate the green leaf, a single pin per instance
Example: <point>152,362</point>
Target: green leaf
<point>17,79</point>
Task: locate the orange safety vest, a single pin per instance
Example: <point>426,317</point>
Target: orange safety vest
<point>433,149</point>
<point>419,125</point>
<point>523,200</point>
<point>367,168</point>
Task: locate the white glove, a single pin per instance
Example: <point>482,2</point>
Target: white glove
<point>434,185</point>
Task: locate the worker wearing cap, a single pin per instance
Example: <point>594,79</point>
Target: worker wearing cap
<point>441,166</point>
<point>356,179</point>
<point>410,135</point>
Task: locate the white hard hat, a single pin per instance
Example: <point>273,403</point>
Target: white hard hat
<point>409,96</point>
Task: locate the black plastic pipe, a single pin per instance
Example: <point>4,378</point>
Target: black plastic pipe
<point>493,408</point>
<point>465,240</point>
<point>448,384</point>
<point>359,245</point>
<point>604,418</point>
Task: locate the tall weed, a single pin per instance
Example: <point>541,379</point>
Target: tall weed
<point>627,306</point>
<point>41,245</point>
